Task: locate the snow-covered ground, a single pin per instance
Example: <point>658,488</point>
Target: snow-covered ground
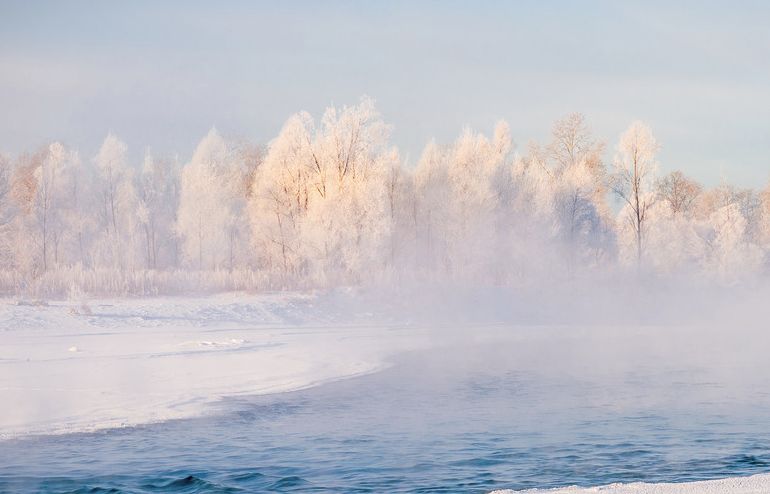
<point>65,367</point>
<point>756,484</point>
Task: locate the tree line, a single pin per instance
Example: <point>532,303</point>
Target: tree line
<point>331,202</point>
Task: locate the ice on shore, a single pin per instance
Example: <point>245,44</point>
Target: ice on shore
<point>756,484</point>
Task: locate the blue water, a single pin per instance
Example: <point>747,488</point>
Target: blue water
<point>439,421</point>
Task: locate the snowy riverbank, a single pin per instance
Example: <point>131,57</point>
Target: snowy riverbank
<point>756,484</point>
<point>114,363</point>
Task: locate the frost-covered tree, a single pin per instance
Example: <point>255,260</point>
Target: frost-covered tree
<point>114,188</point>
<point>463,206</point>
<point>211,204</point>
<point>320,199</point>
<point>281,191</point>
<point>632,179</point>
<point>432,195</point>
<point>40,187</point>
<point>55,176</point>
<point>674,237</point>
<point>533,226</point>
<point>674,243</point>
<point>350,227</point>
<point>24,190</point>
<point>572,143</point>
<point>83,218</point>
<point>579,194</point>
<point>728,256</point>
<point>474,165</point>
<point>765,225</point>
<point>6,206</point>
<point>749,203</point>
<point>401,210</point>
<point>577,217</point>
<point>678,192</point>
<point>6,213</point>
<point>158,194</point>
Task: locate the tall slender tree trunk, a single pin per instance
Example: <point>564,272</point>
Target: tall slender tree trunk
<point>200,243</point>
<point>45,242</point>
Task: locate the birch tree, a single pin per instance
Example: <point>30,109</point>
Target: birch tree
<point>158,201</point>
<point>211,204</point>
<point>6,213</point>
<point>114,188</point>
<point>678,192</point>
<point>40,184</point>
<point>632,179</point>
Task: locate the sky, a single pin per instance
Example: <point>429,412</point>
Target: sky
<point>161,74</point>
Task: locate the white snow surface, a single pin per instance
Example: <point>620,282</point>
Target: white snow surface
<point>66,367</point>
<point>756,484</point>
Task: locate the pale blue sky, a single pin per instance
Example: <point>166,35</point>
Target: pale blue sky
<point>162,75</point>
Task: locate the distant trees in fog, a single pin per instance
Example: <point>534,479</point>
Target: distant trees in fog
<point>331,202</point>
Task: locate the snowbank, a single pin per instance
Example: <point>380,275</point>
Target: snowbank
<point>756,484</point>
<point>67,367</point>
